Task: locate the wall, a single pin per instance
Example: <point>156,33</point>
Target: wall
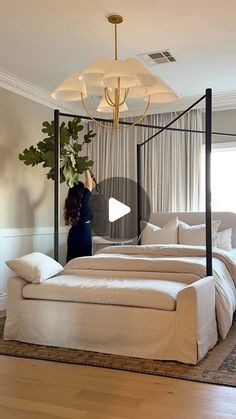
<point>224,121</point>
<point>26,194</point>
<point>26,206</point>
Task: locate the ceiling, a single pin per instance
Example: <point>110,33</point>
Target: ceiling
<point>43,42</point>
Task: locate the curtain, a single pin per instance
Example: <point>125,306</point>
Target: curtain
<point>171,165</point>
<point>114,155</point>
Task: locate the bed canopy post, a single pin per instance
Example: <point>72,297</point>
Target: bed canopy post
<point>138,190</point>
<point>208,140</point>
<point>56,184</point>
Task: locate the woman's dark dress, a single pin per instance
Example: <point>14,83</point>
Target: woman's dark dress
<point>79,242</point>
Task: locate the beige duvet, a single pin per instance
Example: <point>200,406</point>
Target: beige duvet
<point>166,262</point>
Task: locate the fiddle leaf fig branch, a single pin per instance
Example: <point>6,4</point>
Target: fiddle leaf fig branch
<point>72,163</point>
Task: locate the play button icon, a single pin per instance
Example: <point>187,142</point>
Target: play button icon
<point>117,210</point>
<point>114,208</point>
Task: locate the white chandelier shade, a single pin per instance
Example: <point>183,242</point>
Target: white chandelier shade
<point>106,108</point>
<point>94,73</point>
<point>70,89</point>
<point>143,75</point>
<point>120,73</point>
<point>137,92</point>
<point>160,92</point>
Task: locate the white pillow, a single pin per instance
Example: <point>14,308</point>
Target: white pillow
<point>196,234</point>
<point>223,239</point>
<point>153,234</point>
<point>35,267</point>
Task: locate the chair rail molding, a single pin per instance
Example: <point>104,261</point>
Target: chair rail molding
<point>9,81</point>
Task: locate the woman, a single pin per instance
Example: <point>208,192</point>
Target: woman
<point>78,214</point>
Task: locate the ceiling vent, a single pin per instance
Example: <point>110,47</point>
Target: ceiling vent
<point>158,57</point>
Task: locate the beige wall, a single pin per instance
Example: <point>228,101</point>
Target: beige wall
<point>224,121</point>
<point>26,194</point>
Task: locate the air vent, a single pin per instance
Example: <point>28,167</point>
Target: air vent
<point>158,57</point>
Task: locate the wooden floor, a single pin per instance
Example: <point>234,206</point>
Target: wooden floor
<point>32,389</point>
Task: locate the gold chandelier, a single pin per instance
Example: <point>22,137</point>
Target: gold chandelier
<point>115,82</point>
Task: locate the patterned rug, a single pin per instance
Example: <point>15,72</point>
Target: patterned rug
<point>218,367</point>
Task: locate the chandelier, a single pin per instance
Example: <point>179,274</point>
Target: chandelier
<point>115,82</point>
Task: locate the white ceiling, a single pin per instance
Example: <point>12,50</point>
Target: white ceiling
<point>44,41</point>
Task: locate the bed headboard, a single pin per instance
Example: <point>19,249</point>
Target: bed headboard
<point>227,219</point>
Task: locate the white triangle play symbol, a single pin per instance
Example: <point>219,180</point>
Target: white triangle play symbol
<point>117,209</point>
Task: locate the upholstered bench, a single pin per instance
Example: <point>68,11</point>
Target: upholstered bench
<point>144,318</point>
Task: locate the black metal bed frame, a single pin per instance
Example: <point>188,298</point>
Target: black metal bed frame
<point>208,143</point>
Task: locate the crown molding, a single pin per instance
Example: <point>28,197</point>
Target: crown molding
<point>220,101</point>
<point>9,81</point>
<point>33,92</point>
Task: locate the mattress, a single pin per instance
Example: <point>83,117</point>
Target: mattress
<point>155,294</point>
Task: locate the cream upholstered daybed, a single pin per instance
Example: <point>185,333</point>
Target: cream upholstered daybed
<point>144,301</point>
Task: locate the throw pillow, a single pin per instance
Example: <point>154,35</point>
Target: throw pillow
<point>153,234</point>
<point>224,239</point>
<point>196,234</point>
<point>35,267</point>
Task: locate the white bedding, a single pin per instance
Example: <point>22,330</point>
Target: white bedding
<point>166,262</point>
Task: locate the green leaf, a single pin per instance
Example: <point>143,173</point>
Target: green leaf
<point>69,148</point>
<point>91,134</point>
<point>72,158</point>
<point>64,135</point>
<point>46,145</point>
<point>63,160</point>
<point>48,159</point>
<point>77,148</point>
<point>50,175</point>
<point>75,127</point>
<point>31,156</point>
<point>89,163</point>
<point>48,128</point>
<point>88,137</point>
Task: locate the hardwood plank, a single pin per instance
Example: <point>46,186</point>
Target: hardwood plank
<point>41,410</point>
<point>108,397</point>
<point>46,390</point>
<point>98,416</point>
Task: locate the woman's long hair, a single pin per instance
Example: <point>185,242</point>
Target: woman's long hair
<point>73,204</point>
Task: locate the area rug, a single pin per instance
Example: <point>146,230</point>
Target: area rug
<point>218,367</point>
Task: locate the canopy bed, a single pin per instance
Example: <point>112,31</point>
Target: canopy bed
<point>147,300</point>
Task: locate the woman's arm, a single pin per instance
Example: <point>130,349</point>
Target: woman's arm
<point>88,180</point>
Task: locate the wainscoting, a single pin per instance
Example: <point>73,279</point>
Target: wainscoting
<point>18,242</point>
